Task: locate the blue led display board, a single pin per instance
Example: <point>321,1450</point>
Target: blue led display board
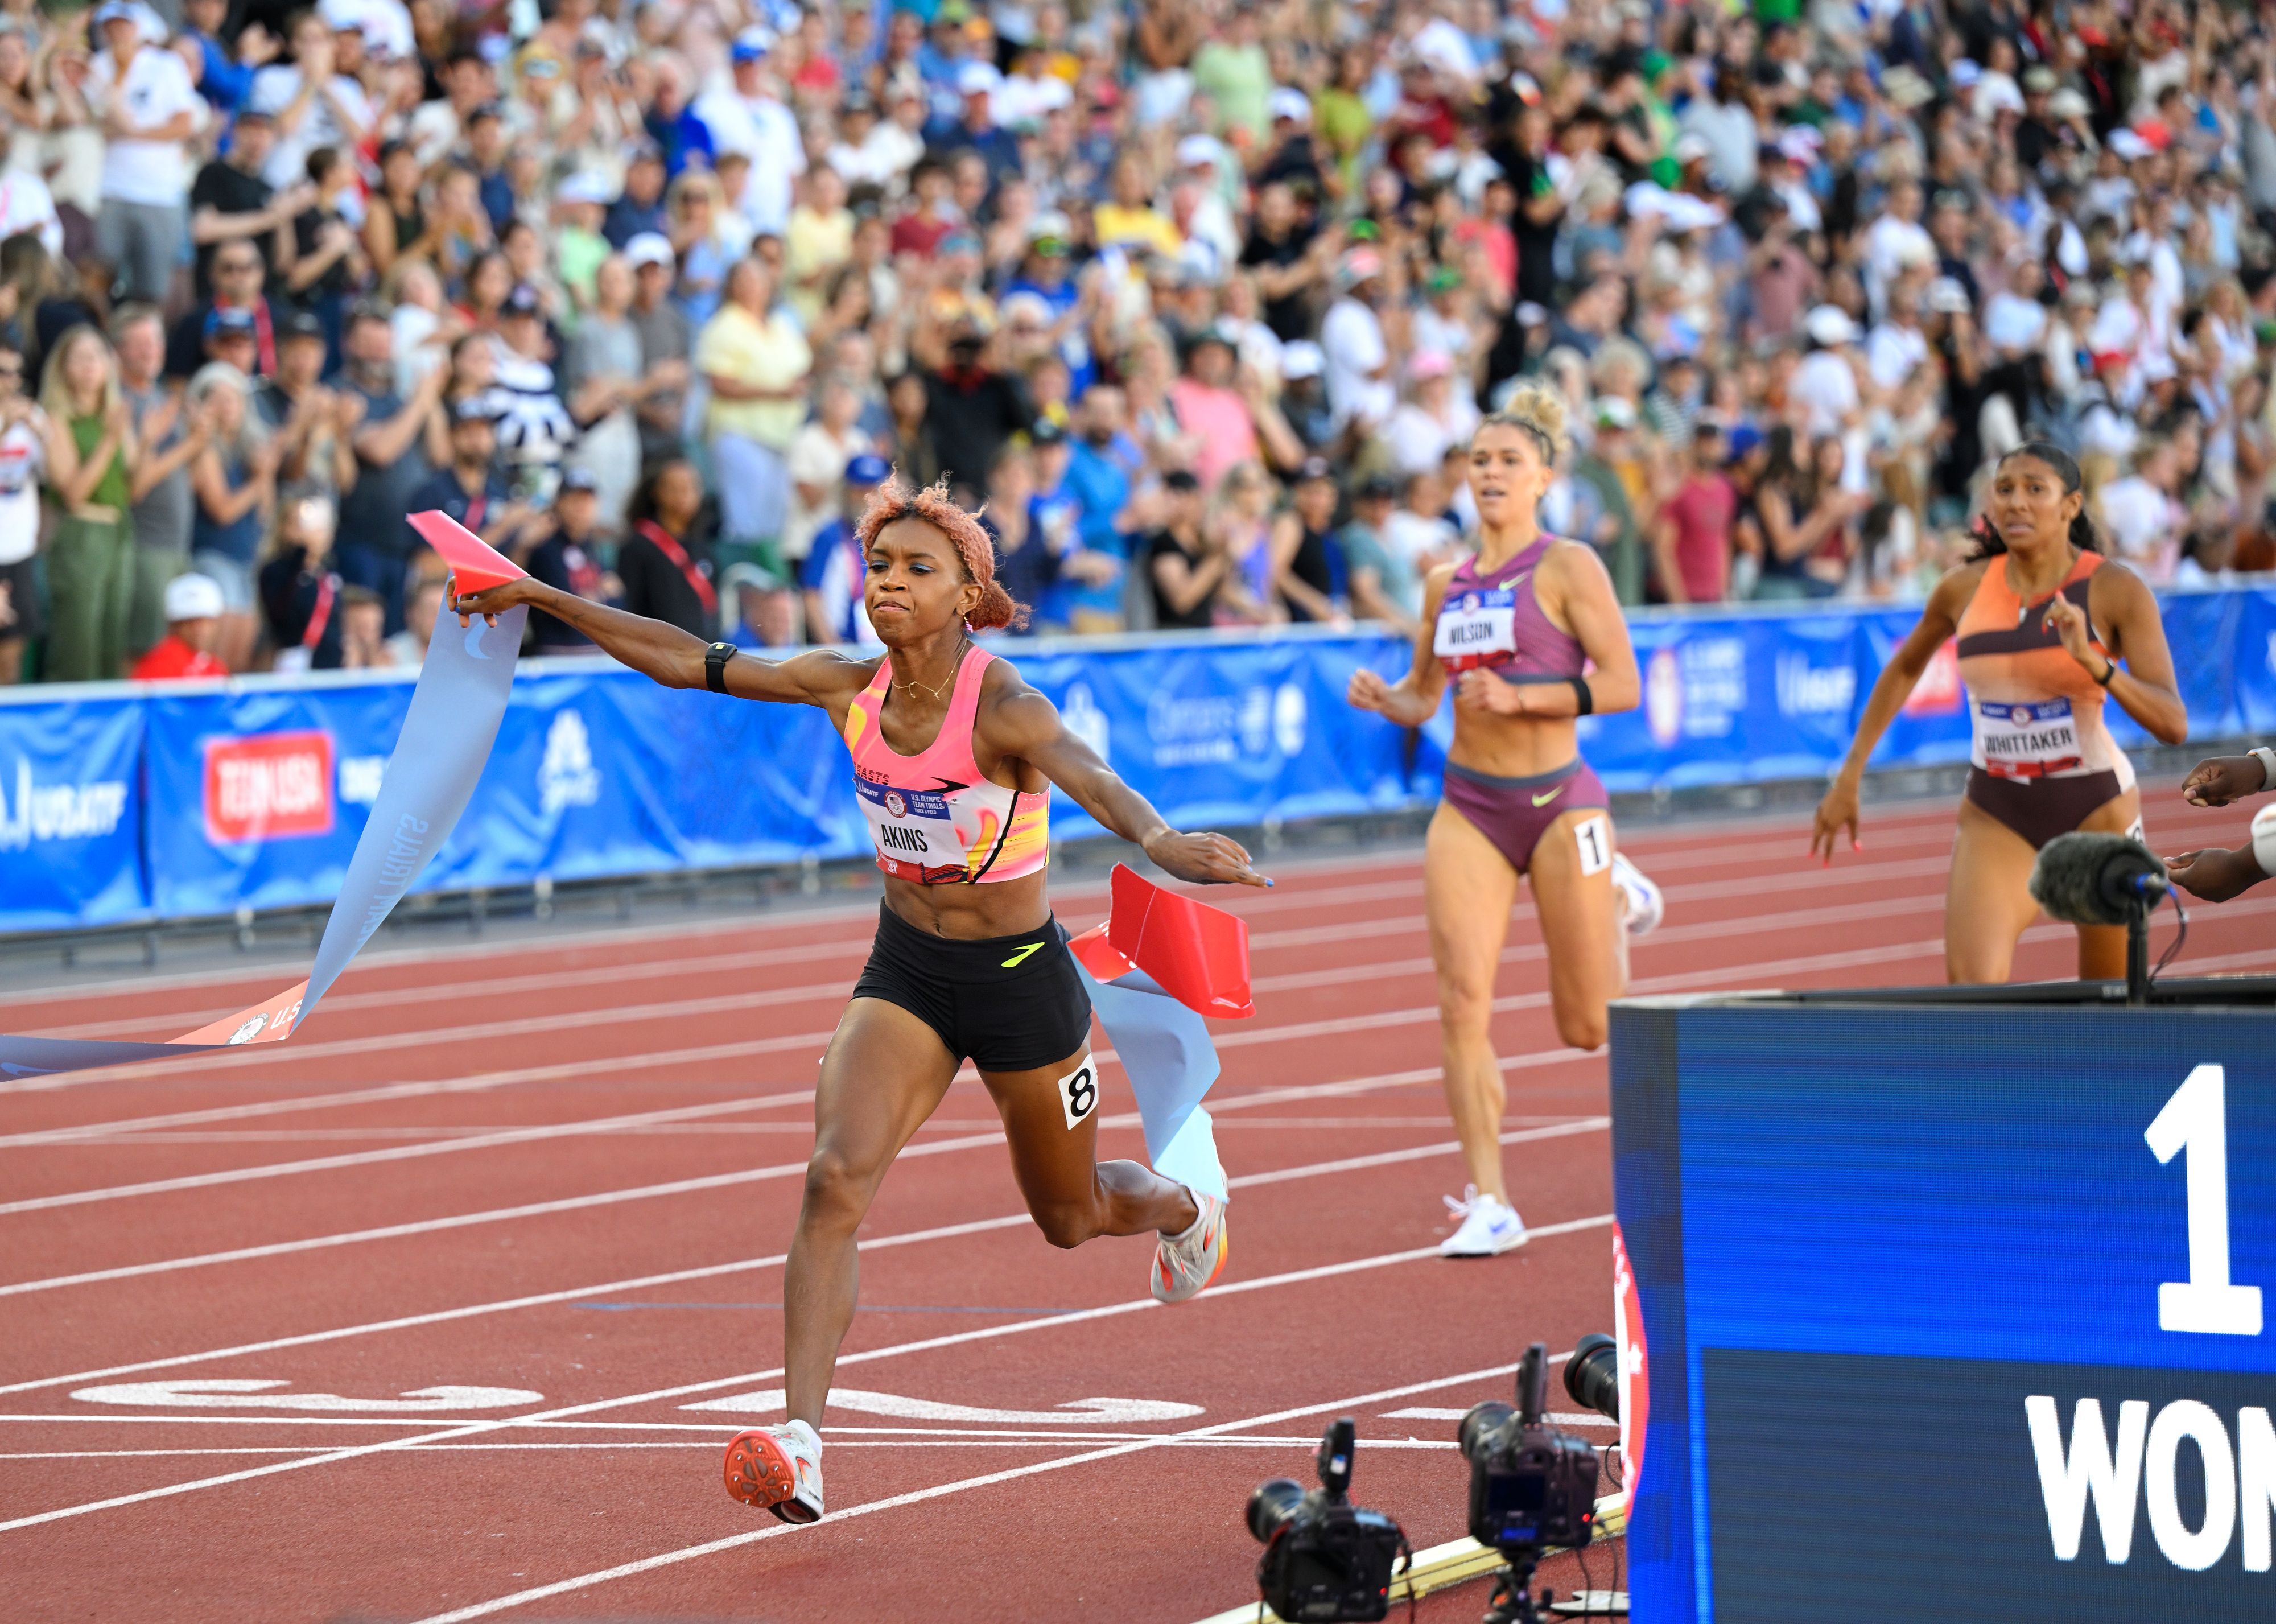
<point>1953,1311</point>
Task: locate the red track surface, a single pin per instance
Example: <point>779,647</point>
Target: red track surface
<point>569,1168</point>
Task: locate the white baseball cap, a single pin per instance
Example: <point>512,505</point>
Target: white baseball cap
<point>649,248</point>
<point>194,597</point>
<point>1195,151</point>
<point>1829,325</point>
<point>1287,103</point>
<point>1303,359</point>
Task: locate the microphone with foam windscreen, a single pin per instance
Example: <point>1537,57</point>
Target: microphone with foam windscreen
<point>2098,879</point>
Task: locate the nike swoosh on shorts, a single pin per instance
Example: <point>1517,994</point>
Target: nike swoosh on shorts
<point>1543,800</point>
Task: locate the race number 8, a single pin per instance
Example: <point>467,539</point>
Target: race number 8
<point>1079,1093</point>
<point>1594,837</point>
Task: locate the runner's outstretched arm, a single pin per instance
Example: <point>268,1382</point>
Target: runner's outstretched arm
<point>1026,724</point>
<point>666,654</point>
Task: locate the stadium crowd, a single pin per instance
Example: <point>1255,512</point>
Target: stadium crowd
<point>1202,298</point>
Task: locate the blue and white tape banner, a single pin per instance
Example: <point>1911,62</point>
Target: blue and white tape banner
<point>454,718</point>
<point>1167,1054</point>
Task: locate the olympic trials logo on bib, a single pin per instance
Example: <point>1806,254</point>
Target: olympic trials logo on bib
<point>897,803</point>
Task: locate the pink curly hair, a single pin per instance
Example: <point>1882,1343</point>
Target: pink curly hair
<point>896,500</point>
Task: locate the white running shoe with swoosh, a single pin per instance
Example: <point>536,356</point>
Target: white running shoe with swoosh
<point>1187,1264</point>
<point>1647,905</point>
<point>777,1469</point>
<point>1489,1227</point>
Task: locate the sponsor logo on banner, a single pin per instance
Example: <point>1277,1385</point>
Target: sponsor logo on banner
<point>269,786</point>
<point>1086,721</point>
<point>359,778</point>
<point>1937,691</point>
<point>1695,690</point>
<point>1662,697</point>
<point>35,811</point>
<point>1805,690</point>
<point>566,776</point>
<point>1227,727</point>
<point>1288,718</point>
<point>1635,1383</point>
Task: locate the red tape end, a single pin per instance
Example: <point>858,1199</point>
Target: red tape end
<point>1199,955</point>
<point>477,565</point>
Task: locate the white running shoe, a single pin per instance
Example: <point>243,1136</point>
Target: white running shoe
<point>1488,1227</point>
<point>1186,1265</point>
<point>1647,906</point>
<point>777,1469</point>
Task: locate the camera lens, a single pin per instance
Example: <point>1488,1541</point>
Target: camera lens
<point>1483,1421</point>
<point>1592,1375</point>
<point>1272,1505</point>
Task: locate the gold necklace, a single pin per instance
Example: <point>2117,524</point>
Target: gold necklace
<point>934,692</point>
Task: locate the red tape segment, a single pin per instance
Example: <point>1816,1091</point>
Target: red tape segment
<point>477,565</point>
<point>1197,954</point>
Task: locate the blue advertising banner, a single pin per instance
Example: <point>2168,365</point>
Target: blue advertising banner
<point>261,792</point>
<point>258,788</point>
<point>71,810</point>
<point>1870,1247</point>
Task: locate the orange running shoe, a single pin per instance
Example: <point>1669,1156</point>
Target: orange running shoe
<point>780,1470</point>
<point>1187,1264</point>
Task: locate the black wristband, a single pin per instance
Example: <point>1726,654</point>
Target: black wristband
<point>715,666</point>
<point>2109,672</point>
<point>1584,702</point>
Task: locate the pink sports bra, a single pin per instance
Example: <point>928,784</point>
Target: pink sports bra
<point>934,817</point>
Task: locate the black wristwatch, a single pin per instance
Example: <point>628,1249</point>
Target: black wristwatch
<point>715,666</point>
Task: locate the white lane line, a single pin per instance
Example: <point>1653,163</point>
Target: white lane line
<point>708,1130</point>
<point>1033,1445</point>
<point>1667,937</point>
<point>624,1570</point>
<point>604,975</point>
<point>867,1356</point>
<point>777,1045</point>
<point>604,1124</point>
<point>1671,848</point>
<point>398,1153</point>
<point>1755,974</point>
<point>611,1288</point>
<point>427,1227</point>
<point>494,987</point>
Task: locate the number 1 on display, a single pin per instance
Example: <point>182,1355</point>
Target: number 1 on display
<point>2196,1120</point>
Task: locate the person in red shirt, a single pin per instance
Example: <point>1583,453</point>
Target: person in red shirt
<point>194,611</point>
<point>1691,544</point>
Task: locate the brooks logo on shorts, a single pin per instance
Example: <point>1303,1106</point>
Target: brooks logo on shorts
<point>1020,958</point>
<point>1543,800</point>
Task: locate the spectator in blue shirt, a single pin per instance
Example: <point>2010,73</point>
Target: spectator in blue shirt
<point>975,128</point>
<point>1102,467</point>
<point>640,208</point>
<point>829,577</point>
<point>222,79</point>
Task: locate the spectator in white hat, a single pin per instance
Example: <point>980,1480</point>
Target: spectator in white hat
<point>747,118</point>
<point>150,113</point>
<point>193,607</point>
<point>315,104</point>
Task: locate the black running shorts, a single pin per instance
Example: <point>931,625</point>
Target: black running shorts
<point>1007,1002</point>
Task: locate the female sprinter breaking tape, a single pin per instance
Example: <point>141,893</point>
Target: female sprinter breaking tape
<point>2042,619</point>
<point>1515,628</point>
<point>953,761</point>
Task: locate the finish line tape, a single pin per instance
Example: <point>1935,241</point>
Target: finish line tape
<point>455,711</point>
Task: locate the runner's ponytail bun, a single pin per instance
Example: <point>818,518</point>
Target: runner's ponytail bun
<point>996,609</point>
<point>1539,411</point>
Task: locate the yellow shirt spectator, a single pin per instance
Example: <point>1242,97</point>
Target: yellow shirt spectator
<point>761,354</point>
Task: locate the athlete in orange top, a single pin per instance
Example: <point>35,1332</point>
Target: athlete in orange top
<point>2043,619</point>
